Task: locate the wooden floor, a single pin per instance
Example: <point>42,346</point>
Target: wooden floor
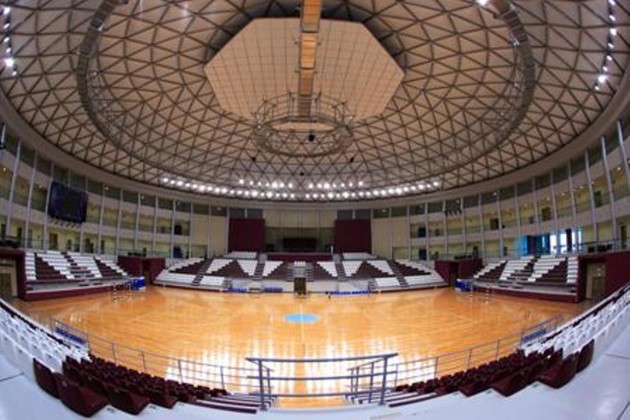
<point>223,328</point>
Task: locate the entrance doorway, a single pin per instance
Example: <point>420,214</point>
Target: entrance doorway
<point>8,280</point>
<point>596,280</point>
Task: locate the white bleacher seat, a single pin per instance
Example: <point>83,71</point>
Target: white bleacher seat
<point>572,269</point>
<point>217,264</point>
<point>212,281</point>
<point>58,262</point>
<point>351,267</point>
<point>329,266</point>
<point>168,277</point>
<point>423,280</point>
<point>387,282</point>
<point>381,265</point>
<point>514,265</point>
<point>248,266</point>
<point>110,261</point>
<point>270,266</point>
<point>185,263</point>
<point>543,265</point>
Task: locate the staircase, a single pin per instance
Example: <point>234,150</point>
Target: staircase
<point>309,272</point>
<point>259,271</point>
<point>288,274</point>
<point>341,273</point>
<point>372,286</point>
<point>200,273</point>
<point>399,275</point>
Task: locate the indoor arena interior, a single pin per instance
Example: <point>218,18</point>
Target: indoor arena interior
<point>315,209</point>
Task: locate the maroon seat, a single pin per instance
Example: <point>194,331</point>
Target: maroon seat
<point>511,385</point>
<point>561,373</point>
<point>586,355</point>
<point>126,401</point>
<point>77,398</point>
<point>474,387</point>
<point>94,384</point>
<point>162,398</point>
<point>45,378</point>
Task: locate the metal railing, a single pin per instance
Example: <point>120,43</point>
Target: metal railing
<point>449,363</point>
<point>271,378</point>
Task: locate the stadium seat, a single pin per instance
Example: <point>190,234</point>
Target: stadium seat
<point>511,385</point>
<point>561,373</point>
<point>45,378</point>
<point>586,355</point>
<point>126,401</point>
<point>77,398</point>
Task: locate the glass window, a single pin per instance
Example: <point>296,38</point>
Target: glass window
<point>577,165</point>
<point>165,203</point>
<point>77,181</point>
<point>560,174</point>
<point>237,213</point>
<point>27,155</point>
<point>380,213</point>
<point>182,206</point>
<point>11,143</point>
<point>218,211</point>
<point>43,166</point>
<point>471,201</point>
<point>523,188</point>
<point>95,187</point>
<point>594,155</point>
<point>60,174</point>
<point>112,192</point>
<point>611,143</point>
<point>201,209</point>
<point>147,200</point>
<point>254,213</point>
<point>417,209</point>
<point>399,211</point>
<point>344,214</point>
<point>489,197</point>
<point>436,207</point>
<point>130,197</point>
<point>507,193</point>
<point>543,181</point>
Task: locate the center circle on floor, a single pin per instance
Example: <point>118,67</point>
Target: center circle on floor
<point>301,318</point>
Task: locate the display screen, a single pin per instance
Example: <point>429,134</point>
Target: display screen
<point>67,203</point>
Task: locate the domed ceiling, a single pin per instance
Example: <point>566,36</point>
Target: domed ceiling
<point>437,94</point>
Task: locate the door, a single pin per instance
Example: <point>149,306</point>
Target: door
<point>599,288</point>
<point>596,280</point>
<point>5,285</point>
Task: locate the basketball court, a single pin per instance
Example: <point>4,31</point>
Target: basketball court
<point>224,329</point>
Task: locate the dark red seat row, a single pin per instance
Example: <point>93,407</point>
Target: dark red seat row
<point>78,398</point>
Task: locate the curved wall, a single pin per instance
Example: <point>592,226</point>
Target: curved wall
<point>588,193</point>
